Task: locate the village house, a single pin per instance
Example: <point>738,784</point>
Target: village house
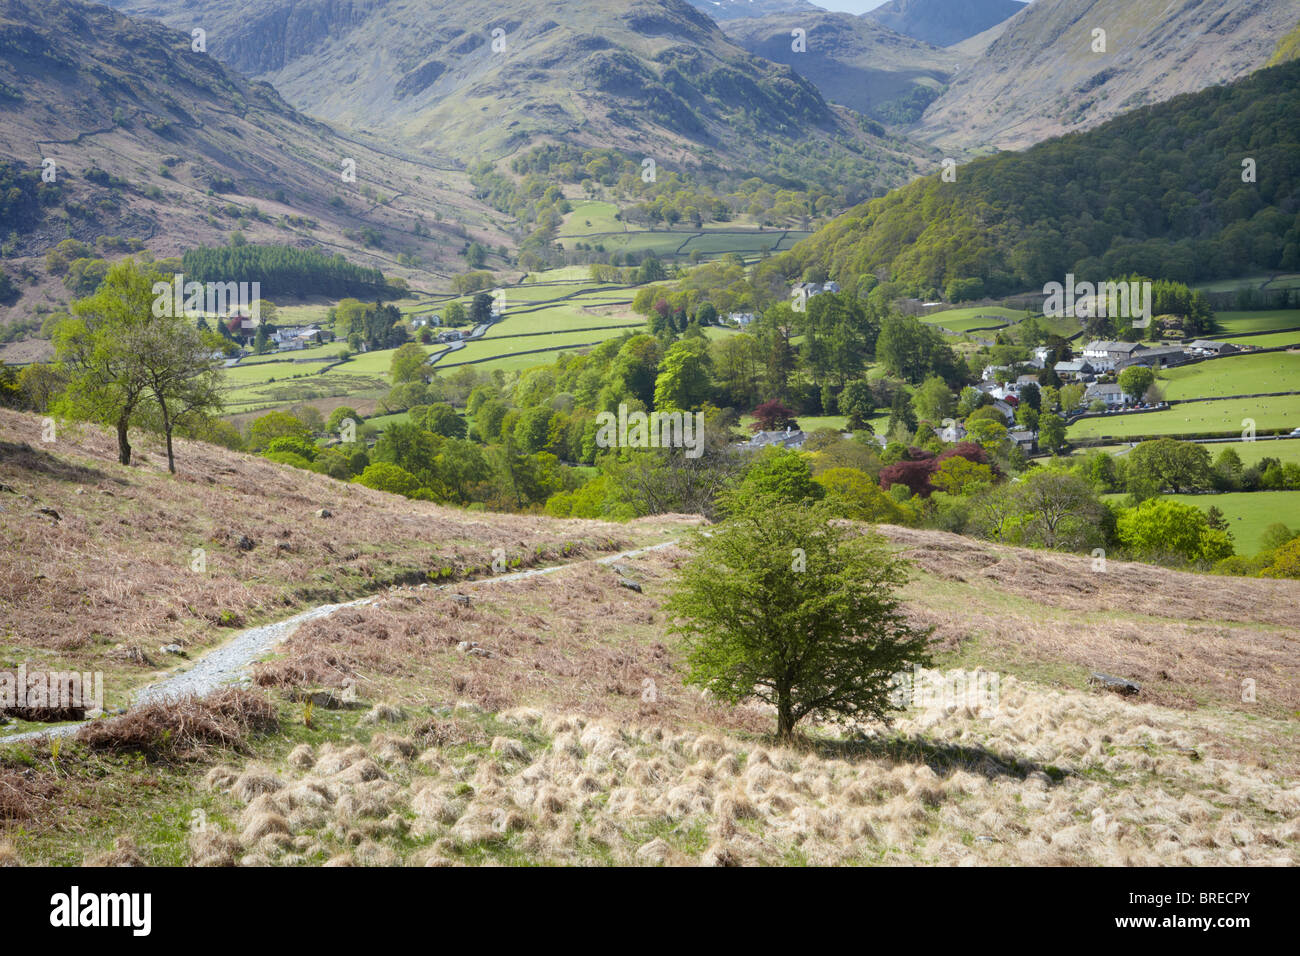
<point>1075,369</point>
<point>1024,440</point>
<point>1209,347</point>
<point>741,319</point>
<point>1102,354</point>
<point>293,337</point>
<point>806,290</point>
<point>790,438</point>
<point>1162,356</point>
<point>953,432</point>
<point>1112,395</point>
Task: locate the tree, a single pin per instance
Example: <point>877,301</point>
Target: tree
<point>264,430</point>
<point>1135,380</point>
<point>773,416</point>
<point>385,476</point>
<point>1167,463</point>
<point>958,475</point>
<point>782,605</point>
<point>901,414</point>
<point>912,350</point>
<point>857,403</point>
<point>1070,396</point>
<point>1051,433</point>
<point>442,419</point>
<point>852,494</point>
<point>408,364</point>
<point>95,348</point>
<point>932,400</point>
<point>480,309</point>
<point>182,377</point>
<point>454,315</point>
<point>335,422</point>
<point>684,379</point>
<point>781,474</point>
<point>1160,529</point>
<point>1058,505</point>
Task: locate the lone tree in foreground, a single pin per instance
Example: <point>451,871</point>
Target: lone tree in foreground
<point>783,605</point>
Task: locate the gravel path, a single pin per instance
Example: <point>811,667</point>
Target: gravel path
<point>229,663</point>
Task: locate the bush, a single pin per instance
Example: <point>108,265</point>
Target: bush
<point>178,728</point>
<point>294,445</point>
<point>384,476</point>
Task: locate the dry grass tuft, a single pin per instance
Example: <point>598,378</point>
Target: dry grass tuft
<point>124,853</point>
<point>180,728</point>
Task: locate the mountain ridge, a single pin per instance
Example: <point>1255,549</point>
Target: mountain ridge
<point>943,22</point>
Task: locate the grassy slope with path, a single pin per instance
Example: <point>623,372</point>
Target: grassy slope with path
<point>115,568</point>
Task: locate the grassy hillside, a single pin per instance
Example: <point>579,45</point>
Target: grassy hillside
<point>1139,201</point>
<point>543,720</point>
<point>110,579</point>
<point>1042,77</point>
<point>1238,375</point>
<point>653,77</point>
<point>161,148</point>
<point>1219,418</point>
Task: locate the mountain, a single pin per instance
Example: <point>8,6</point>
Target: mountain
<point>943,22</point>
<point>155,144</point>
<point>854,61</point>
<point>1040,77</point>
<point>1158,192</point>
<point>473,79</point>
<point>727,10</point>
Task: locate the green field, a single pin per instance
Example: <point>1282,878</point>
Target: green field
<point>593,222</point>
<point>1250,452</point>
<point>1265,341</point>
<point>1238,322</point>
<point>1288,281</point>
<point>590,216</point>
<point>1223,417</point>
<point>1247,374</point>
<point>487,348</point>
<point>276,379</point>
<point>981,317</point>
<point>1248,513</point>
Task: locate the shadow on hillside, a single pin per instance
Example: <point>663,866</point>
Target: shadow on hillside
<point>942,758</point>
<point>28,458</point>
